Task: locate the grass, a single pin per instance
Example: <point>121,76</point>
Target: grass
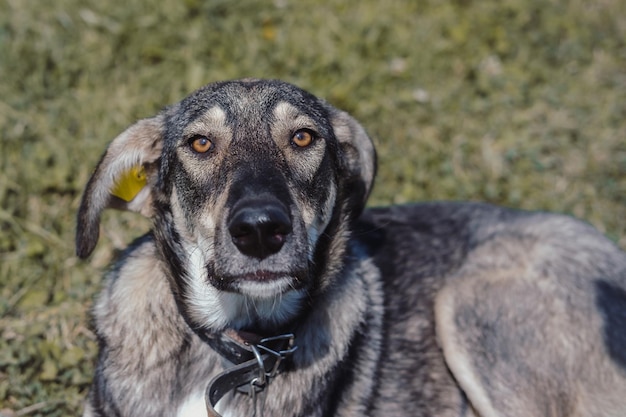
<point>516,102</point>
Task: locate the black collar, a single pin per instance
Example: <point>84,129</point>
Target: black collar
<point>255,361</point>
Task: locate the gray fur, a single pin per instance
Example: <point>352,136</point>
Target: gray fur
<point>435,309</point>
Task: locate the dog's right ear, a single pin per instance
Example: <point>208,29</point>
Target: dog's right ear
<point>359,157</point>
<point>123,179</point>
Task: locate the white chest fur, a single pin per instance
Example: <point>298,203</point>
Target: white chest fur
<point>195,406</point>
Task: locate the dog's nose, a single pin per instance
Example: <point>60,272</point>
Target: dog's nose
<point>260,230</point>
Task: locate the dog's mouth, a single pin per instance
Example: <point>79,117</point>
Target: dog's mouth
<point>261,283</point>
<point>262,276</point>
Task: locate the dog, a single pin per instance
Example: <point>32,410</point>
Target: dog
<point>265,286</point>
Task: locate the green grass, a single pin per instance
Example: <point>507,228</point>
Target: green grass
<point>516,102</point>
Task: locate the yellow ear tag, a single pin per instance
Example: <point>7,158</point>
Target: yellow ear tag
<point>130,183</point>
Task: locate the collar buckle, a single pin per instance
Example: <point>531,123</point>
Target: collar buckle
<point>249,376</point>
<point>286,340</point>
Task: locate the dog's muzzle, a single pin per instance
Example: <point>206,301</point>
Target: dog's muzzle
<point>259,228</point>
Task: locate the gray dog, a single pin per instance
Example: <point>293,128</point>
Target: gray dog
<point>266,288</point>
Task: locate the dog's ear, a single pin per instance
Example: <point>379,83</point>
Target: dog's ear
<point>359,158</point>
<point>123,179</point>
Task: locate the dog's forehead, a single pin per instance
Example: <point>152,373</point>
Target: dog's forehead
<point>251,102</point>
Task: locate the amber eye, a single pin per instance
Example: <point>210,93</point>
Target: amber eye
<point>201,144</point>
<point>302,138</point>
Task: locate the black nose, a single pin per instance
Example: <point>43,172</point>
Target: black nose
<point>259,229</point>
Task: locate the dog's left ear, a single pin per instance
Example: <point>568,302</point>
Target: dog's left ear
<point>123,179</point>
<point>359,158</point>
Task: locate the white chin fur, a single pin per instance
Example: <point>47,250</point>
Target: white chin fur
<point>269,302</point>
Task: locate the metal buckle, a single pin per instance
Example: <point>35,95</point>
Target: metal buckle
<point>233,378</point>
<point>261,352</point>
<point>261,380</point>
<point>279,355</point>
<point>259,383</point>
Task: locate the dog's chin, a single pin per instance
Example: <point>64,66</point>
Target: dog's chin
<point>245,303</point>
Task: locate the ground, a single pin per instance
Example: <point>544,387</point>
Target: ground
<point>517,102</point>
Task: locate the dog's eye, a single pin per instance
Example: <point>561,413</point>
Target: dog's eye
<point>201,144</point>
<point>302,138</point>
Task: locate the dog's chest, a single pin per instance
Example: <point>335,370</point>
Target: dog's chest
<point>193,406</point>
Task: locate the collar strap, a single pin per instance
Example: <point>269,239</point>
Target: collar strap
<point>255,363</point>
<point>235,346</point>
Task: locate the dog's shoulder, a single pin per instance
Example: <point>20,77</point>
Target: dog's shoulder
<point>134,271</point>
<point>136,287</point>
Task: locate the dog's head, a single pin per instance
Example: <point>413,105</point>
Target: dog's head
<point>252,186</point>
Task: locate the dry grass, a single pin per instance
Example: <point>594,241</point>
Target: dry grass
<point>517,102</point>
